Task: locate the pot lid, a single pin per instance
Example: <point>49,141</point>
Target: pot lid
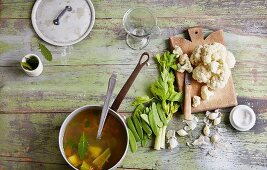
<point>63,22</point>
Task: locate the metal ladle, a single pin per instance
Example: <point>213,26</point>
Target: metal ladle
<point>111,85</point>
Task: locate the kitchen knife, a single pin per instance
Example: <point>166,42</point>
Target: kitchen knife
<point>187,96</point>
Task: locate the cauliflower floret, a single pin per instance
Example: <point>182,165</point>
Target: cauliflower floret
<point>201,74</point>
<point>184,64</point>
<point>230,59</point>
<point>206,93</point>
<point>196,101</point>
<point>213,63</point>
<point>178,51</point>
<point>216,83</point>
<point>195,57</point>
<point>213,52</point>
<point>214,67</point>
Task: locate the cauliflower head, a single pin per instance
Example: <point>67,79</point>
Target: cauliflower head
<point>212,64</point>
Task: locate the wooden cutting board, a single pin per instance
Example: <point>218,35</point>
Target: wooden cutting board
<point>222,98</point>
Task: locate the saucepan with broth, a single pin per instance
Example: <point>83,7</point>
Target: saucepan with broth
<point>77,137</point>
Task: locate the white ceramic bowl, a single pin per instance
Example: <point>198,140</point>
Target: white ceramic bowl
<point>242,118</point>
<point>76,112</point>
<point>35,72</point>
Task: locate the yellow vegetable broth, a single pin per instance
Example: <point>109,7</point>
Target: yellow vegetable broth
<point>113,137</point>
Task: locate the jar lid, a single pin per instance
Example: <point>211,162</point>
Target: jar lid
<point>242,118</point>
<point>75,20</point>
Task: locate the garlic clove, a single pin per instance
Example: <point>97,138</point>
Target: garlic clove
<point>191,123</point>
<point>206,130</point>
<point>182,132</point>
<point>215,138</point>
<point>213,115</point>
<point>208,113</point>
<point>170,134</point>
<point>217,121</point>
<point>173,143</point>
<point>199,141</point>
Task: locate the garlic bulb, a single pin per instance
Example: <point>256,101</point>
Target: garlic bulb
<point>182,132</point>
<point>206,130</point>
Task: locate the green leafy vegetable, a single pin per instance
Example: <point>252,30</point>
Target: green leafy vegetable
<point>146,128</point>
<point>139,110</point>
<point>132,141</point>
<point>162,105</point>
<point>131,126</point>
<point>161,114</point>
<point>83,146</point>
<point>145,118</point>
<point>26,65</point>
<point>45,52</point>
<point>141,100</point>
<point>156,115</point>
<point>144,141</point>
<point>138,126</point>
<point>152,123</point>
<point>167,61</point>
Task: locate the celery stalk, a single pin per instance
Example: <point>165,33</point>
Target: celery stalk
<point>158,140</point>
<point>102,159</point>
<point>163,134</point>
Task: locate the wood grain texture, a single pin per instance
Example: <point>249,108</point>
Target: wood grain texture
<point>32,109</point>
<point>29,141</point>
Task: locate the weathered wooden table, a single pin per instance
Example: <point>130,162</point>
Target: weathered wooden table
<point>32,109</point>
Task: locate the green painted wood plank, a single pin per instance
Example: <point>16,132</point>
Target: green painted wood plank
<point>68,87</point>
<point>16,42</point>
<point>22,165</point>
<point>64,88</point>
<point>161,8</point>
<point>30,140</point>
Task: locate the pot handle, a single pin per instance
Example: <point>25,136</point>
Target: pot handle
<point>142,61</point>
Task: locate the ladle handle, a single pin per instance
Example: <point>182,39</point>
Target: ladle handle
<point>117,102</point>
<point>111,85</point>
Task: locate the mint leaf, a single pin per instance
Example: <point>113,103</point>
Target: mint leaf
<point>45,52</point>
<point>83,146</point>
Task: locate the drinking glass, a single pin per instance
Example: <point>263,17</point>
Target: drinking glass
<point>139,23</point>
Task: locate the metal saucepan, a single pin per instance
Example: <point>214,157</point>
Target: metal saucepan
<point>112,111</point>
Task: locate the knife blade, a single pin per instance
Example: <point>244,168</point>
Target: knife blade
<point>187,98</point>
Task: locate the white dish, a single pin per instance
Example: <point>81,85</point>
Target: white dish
<point>242,118</point>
